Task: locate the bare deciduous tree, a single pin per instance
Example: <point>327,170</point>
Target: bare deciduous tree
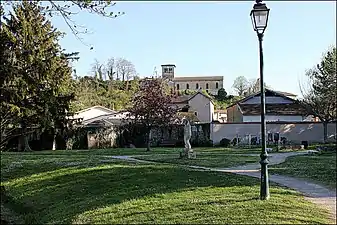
<point>111,68</point>
<point>319,97</point>
<point>240,85</point>
<point>98,70</point>
<point>125,69</point>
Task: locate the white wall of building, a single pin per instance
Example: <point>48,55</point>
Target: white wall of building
<point>93,112</point>
<point>296,132</point>
<point>203,106</point>
<point>220,116</point>
<point>272,118</point>
<point>213,85</point>
<point>269,100</point>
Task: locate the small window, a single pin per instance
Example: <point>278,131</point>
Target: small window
<point>196,113</point>
<point>206,86</point>
<point>187,86</point>
<point>216,85</point>
<point>165,70</point>
<point>170,69</point>
<point>177,86</point>
<point>197,86</point>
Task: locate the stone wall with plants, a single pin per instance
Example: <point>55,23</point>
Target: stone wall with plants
<point>175,134</point>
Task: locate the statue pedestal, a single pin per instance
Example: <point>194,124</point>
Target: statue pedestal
<point>192,154</point>
<point>188,153</point>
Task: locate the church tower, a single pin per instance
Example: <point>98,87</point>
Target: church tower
<point>167,71</point>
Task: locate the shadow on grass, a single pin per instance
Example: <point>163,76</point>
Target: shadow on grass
<point>136,193</point>
<point>58,196</point>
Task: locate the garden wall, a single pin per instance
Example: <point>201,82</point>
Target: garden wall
<point>295,132</point>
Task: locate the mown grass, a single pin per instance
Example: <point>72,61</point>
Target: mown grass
<point>137,151</point>
<point>320,168</point>
<point>217,160</point>
<point>54,189</point>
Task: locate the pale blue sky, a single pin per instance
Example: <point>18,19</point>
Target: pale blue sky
<point>210,39</point>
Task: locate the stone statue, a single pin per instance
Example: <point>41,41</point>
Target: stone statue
<point>187,134</point>
<point>188,151</point>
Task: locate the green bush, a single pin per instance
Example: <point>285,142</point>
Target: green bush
<point>225,142</point>
<point>202,143</point>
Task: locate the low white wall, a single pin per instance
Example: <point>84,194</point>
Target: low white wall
<point>296,132</point>
<point>271,118</point>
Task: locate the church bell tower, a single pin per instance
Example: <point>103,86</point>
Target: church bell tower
<point>167,71</point>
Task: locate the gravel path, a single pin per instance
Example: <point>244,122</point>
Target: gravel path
<point>313,192</point>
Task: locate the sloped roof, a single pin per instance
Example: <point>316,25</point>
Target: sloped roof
<point>181,99</point>
<point>96,107</point>
<point>220,111</point>
<point>204,78</point>
<point>188,115</point>
<point>273,109</point>
<point>277,93</point>
<point>185,98</point>
<point>286,93</point>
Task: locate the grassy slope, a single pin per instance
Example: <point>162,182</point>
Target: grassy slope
<point>317,168</point>
<point>52,189</point>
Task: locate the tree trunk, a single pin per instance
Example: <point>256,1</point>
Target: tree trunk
<point>148,140</point>
<point>24,139</point>
<point>26,142</point>
<point>325,131</point>
<point>54,140</point>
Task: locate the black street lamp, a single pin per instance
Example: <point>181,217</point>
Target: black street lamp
<point>259,16</point>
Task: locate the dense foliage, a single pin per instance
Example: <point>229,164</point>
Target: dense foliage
<point>113,94</point>
<point>152,106</point>
<point>36,73</point>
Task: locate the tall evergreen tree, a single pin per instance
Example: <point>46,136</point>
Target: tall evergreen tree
<point>40,71</point>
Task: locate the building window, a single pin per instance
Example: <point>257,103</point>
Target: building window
<point>206,86</point>
<point>216,85</point>
<point>187,86</point>
<point>196,113</point>
<point>165,70</point>
<point>170,69</point>
<point>177,86</point>
<point>197,86</point>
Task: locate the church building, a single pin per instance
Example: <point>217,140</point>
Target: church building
<point>209,83</point>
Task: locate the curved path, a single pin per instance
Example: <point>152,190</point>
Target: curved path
<point>313,192</point>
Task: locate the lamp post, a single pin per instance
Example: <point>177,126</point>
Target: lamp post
<point>259,16</point>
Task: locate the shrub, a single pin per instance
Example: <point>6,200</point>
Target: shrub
<point>235,141</point>
<point>202,143</point>
<point>225,142</point>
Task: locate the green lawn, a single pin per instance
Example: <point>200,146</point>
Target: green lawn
<point>73,188</point>
<point>316,168</point>
<point>139,151</point>
<point>207,159</point>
